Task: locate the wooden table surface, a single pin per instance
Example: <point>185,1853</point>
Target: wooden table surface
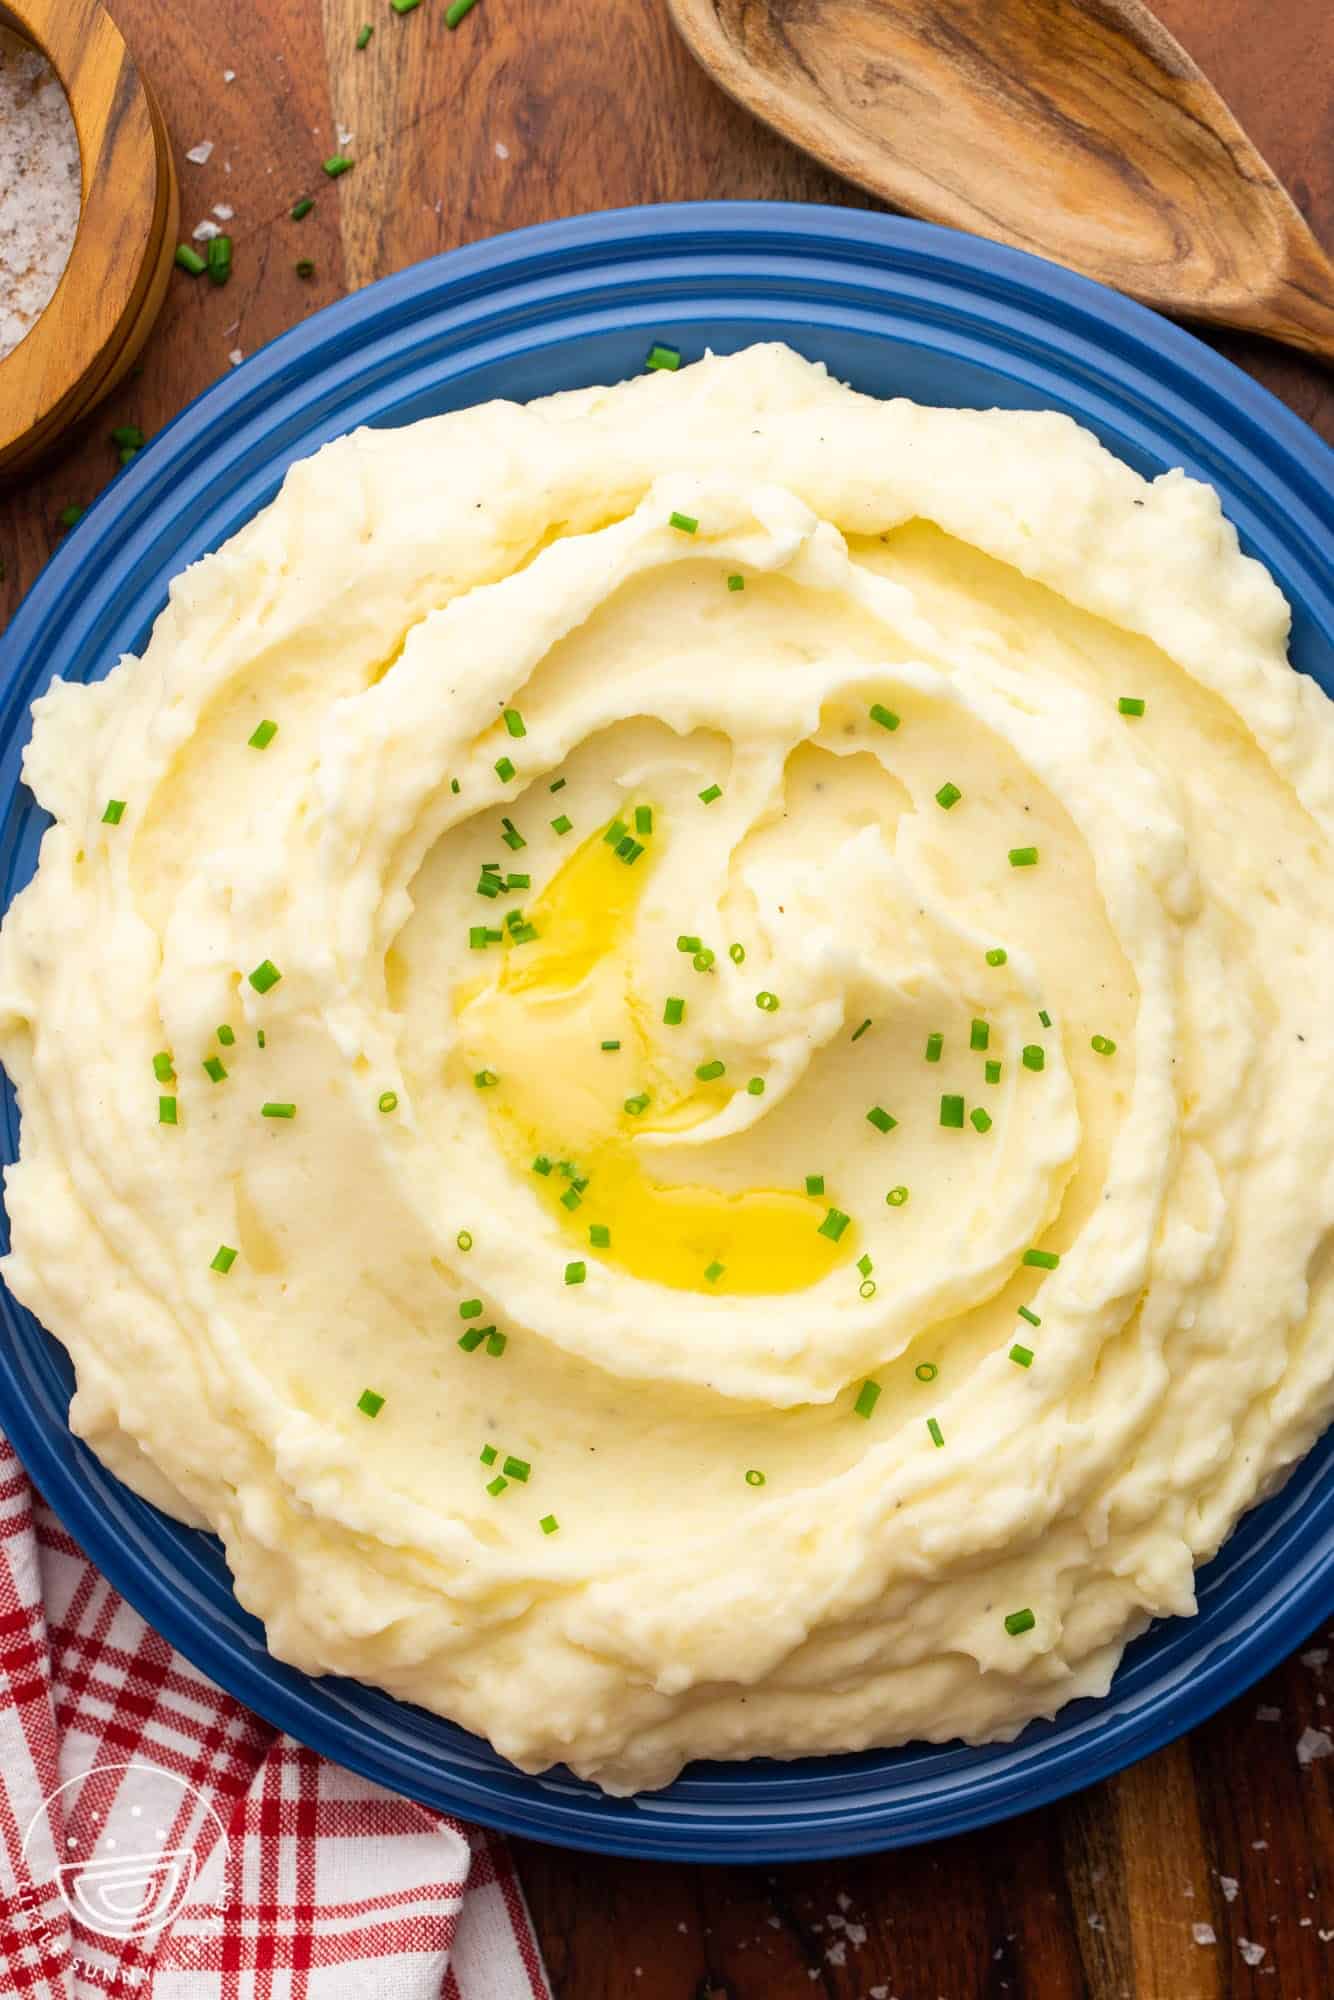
<point>533,110</point>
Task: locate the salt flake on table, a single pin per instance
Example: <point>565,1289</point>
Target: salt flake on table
<point>205,231</point>
<point>1315,1659</point>
<point>1228,1884</point>
<point>229,76</point>
<point>1252,1953</point>
<point>1313,1744</point>
<point>502,150</point>
<point>199,155</point>
<point>1204,1934</point>
<point>223,210</point>
<point>236,357</point>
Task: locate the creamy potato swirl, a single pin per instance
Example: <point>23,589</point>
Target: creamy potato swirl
<point>757,1035</point>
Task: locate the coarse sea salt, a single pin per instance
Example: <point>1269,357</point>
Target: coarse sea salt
<point>39,186</point>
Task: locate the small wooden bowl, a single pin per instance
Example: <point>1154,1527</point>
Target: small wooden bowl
<point>113,285</point>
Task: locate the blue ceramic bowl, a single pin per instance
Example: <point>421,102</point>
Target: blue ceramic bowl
<point>897,308</point>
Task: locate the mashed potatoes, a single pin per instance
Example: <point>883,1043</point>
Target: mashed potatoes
<point>675,1061</point>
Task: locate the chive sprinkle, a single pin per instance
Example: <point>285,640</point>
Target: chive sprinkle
<point>674,1012</point>
<point>615,832</point>
<point>464,1239</point>
<point>364,34</point>
<point>218,259</point>
<point>575,1273</point>
<point>997,955</point>
<point>69,517</point>
<point>926,1371</point>
<point>857,1033</point>
<point>387,1101</point>
<point>881,1119</point>
<point>937,1435</point>
<point>636,1105</point>
<point>993,1072</point>
<point>951,1112</point>
<point>756,1086</point>
<point>867,1398</point>
<point>884,716</point>
<point>714,1271</point>
<point>189,259</point>
<point>767,1002</point>
<point>479,937</point>
<point>1033,1056</point>
<point>265,976</point>
<point>1021,1356</point>
<point>504,770</point>
<point>1017,1622</point>
<point>1044,1017</point>
<point>263,736</point>
<point>369,1403</point>
<point>815,1183</point>
<point>486,1079</point>
<point>702,960</point>
<point>935,1045</point>
<point>710,793</point>
<point>980,1119</point>
<point>735,582</point>
<point>611,1045</point>
<point>301,208</point>
<point>979,1035</point>
<point>1130,704</point>
<point>514,722</point>
<point>643,819</point>
<point>223,1258</point>
<point>213,1068</point>
<point>1031,1317</point>
<point>1101,1046</point>
<point>1044,1260</point>
<point>754,1477</point>
<point>259,1037</point>
<point>336,164</point>
<point>455,786</point>
<point>557,784</point>
<point>686,523</point>
<point>162,1068</point>
<point>737,953</point>
<point>866,1289</point>
<point>599,1236</point>
<point>629,851</point>
<point>660,356</point>
<point>541,1165</point>
<point>571,1199</point>
<point>561,824</point>
<point>511,836</point>
<point>709,1070</point>
<point>495,1342</point>
<point>166,1111</point>
<point>489,1454</point>
<point>114,813</point>
<point>277,1111</point>
<point>834,1224</point>
<point>456,11</point>
<point>548,1523</point>
<point>687,944</point>
<point>472,1339</point>
<point>1023,857</point>
<point>495,1487</point>
<point>517,1468</point>
<point>897,1196</point>
<point>948,795</point>
<point>470,1308</point>
<point>304,267</point>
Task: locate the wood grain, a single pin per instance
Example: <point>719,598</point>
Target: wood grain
<point>1078,129</point>
<point>596,102</point>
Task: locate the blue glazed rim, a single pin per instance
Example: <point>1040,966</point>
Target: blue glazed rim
<point>897,307</point>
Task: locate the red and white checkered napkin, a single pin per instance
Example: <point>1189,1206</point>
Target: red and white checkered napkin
<point>158,1840</point>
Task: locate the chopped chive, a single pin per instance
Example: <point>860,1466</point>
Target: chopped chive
<point>263,736</point>
<point>767,1002</point>
<point>755,1087</point>
<point>504,770</point>
<point>277,1111</point>
<point>951,1112</point>
<point>615,832</point>
<point>754,1477</point>
<point>710,793</point>
<point>541,1165</point>
<point>935,1046</point>
<point>1101,1046</point>
<point>470,1309</point>
<point>674,1012</point>
<point>599,1236</point>
<point>455,12</point>
<point>926,1371</point>
<point>1045,1260</point>
<point>464,1239</point>
<point>864,1264</point>
<point>866,1289</point>
<point>1031,1317</point>
<point>548,1523</point>
<point>336,164</point>
<point>611,1046</point>
<point>259,1037</point>
<point>488,886</point>
<point>473,1338</point>
<point>884,716</point>
<point>364,34</point>
<point>867,1398</point>
<point>857,1033</point>
<point>735,582</point>
<point>979,1035</point>
<point>517,1468</point>
<point>997,955</point>
<point>575,1273</point>
<point>1044,1017</point>
<point>643,819</point>
<point>518,882</point>
<point>523,933</point>
<point>304,267</point>
<point>495,1487</point>
<point>218,259</point>
<point>702,960</point>
<point>166,1111</point>
<point>1023,857</point>
<point>479,937</point>
<point>489,1454</point>
<point>301,208</point>
<point>162,1068</point>
<point>937,1435</point>
<point>387,1100</point>
<point>571,1199</point>
<point>369,1403</point>
<point>636,1105</point>
<point>980,1119</point>
<point>265,976</point>
<point>948,795</point>
<point>993,1072</point>
<point>881,1119</point>
<point>486,1079</point>
<point>1033,1056</point>
<point>815,1183</point>
<point>688,944</point>
<point>629,851</point>
<point>737,953</point>
<point>127,452</point>
<point>69,517</point>
<point>223,1258</point>
<point>511,836</point>
<point>562,823</point>
<point>834,1224</point>
<point>213,1068</point>
<point>128,437</point>
<point>709,1070</point>
<point>660,356</point>
<point>455,786</point>
<point>714,1271</point>
<point>557,784</point>
<point>1130,704</point>
<point>495,1342</point>
<point>114,813</point>
<point>1019,1621</point>
<point>897,1196</point>
<point>685,522</point>
<point>189,259</point>
<point>1021,1356</point>
<point>514,722</point>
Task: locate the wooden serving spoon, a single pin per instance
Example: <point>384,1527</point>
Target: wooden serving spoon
<point>1078,129</point>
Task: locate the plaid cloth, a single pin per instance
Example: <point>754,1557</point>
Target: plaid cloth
<point>158,1840</point>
